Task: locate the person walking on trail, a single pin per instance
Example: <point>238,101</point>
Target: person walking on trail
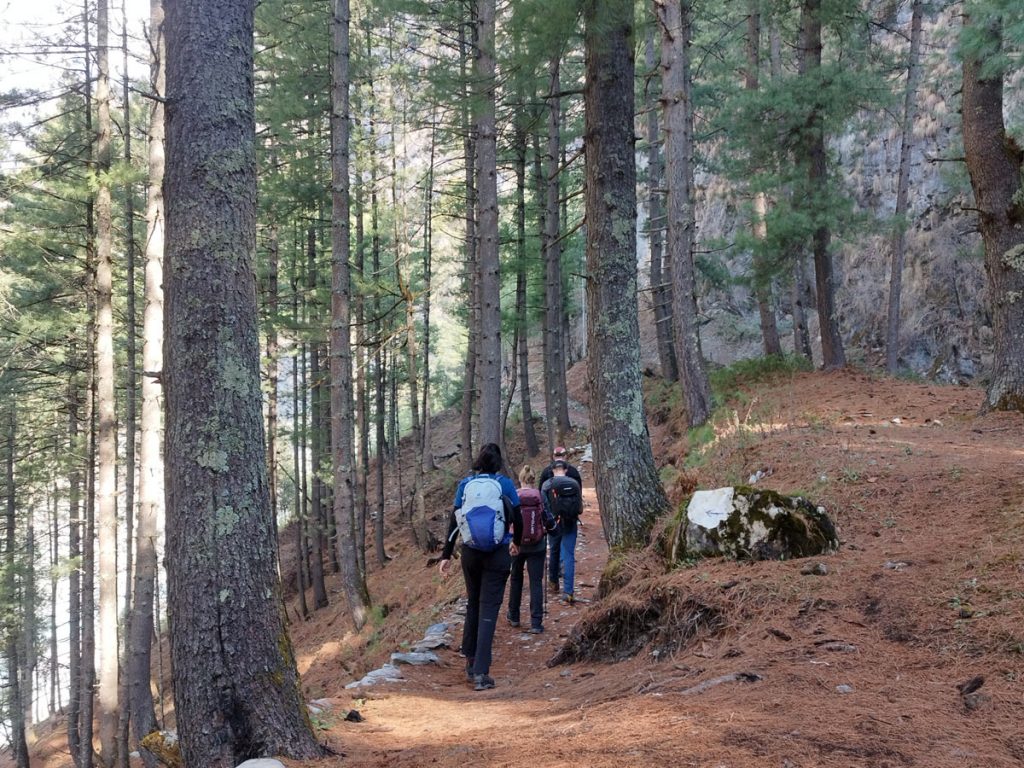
<point>486,515</point>
<point>564,499</point>
<point>555,536</point>
<point>536,522</point>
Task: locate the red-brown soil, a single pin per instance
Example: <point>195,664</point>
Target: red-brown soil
<point>858,667</point>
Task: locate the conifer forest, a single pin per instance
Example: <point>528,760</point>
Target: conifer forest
<point>248,251</point>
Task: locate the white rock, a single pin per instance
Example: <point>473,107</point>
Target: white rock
<point>262,762</point>
<point>709,508</point>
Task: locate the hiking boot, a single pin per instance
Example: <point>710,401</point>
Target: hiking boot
<point>568,599</point>
<point>553,587</point>
<point>513,622</point>
<point>483,682</point>
<point>536,630</point>
<point>469,672</point>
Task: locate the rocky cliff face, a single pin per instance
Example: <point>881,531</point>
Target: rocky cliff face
<point>946,332</point>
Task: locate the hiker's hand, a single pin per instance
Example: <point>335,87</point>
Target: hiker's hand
<point>513,549</point>
<point>444,568</point>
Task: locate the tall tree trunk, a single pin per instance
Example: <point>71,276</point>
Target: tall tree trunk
<point>131,385</point>
<point>236,689</point>
<point>316,436</point>
<point>55,702</point>
<point>11,629</point>
<point>832,352</point>
<point>75,451</point>
<point>675,21</point>
<point>362,358</point>
<point>106,479</point>
<point>273,345</point>
<point>342,424</point>
<point>995,162</point>
<point>892,336</point>
<point>151,468</point>
<point>661,288</point>
<point>488,265</point>
<point>762,278</point>
<point>522,348</point>
<point>428,254</point>
<point>556,399</point>
<point>628,489</point>
<point>302,567</point>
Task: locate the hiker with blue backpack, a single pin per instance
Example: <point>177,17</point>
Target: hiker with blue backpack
<point>486,515</point>
<point>536,523</point>
<point>563,497</point>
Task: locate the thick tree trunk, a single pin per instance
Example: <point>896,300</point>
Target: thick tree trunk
<point>661,288</point>
<point>316,436</point>
<point>832,353</point>
<point>628,489</point>
<point>342,421</point>
<point>488,265</point>
<point>236,687</point>
<point>151,468</point>
<point>678,129</point>
<point>995,162</point>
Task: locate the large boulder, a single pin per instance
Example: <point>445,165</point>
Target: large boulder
<point>747,523</point>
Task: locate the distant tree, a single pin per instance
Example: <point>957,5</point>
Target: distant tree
<point>342,411</point>
<point>235,682</point>
<point>996,161</point>
<point>628,488</point>
<point>675,19</point>
<point>151,469</point>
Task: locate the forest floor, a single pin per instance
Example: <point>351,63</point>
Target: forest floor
<point>856,667</point>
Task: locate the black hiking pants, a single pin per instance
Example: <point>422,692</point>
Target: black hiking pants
<point>534,563</point>
<point>485,574</point>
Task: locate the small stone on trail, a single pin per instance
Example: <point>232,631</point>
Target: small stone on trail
<point>261,762</point>
<point>353,716</point>
<point>814,569</point>
<point>895,565</point>
<point>844,688</point>
<point>416,659</point>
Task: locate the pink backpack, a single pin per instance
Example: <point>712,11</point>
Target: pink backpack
<point>531,504</point>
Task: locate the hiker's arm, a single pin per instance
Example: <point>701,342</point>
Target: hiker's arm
<point>449,539</point>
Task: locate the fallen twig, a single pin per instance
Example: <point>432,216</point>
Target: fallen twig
<point>742,677</point>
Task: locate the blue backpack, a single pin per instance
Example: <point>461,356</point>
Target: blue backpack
<point>481,518</point>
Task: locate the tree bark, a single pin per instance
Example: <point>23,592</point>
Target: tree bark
<point>236,687</point>
<point>995,162</point>
<point>342,423</point>
<point>556,398</point>
<point>11,629</point>
<point>661,288</point>
<point>628,489</point>
<point>151,468</point>
<point>106,478</point>
<point>522,316</point>
<point>675,22</point>
<point>892,336</point>
<point>832,352</point>
<point>488,265</point>
<point>762,279</point>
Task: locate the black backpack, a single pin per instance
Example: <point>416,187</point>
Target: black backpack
<point>566,501</point>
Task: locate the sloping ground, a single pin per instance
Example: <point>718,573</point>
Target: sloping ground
<point>858,667</point>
